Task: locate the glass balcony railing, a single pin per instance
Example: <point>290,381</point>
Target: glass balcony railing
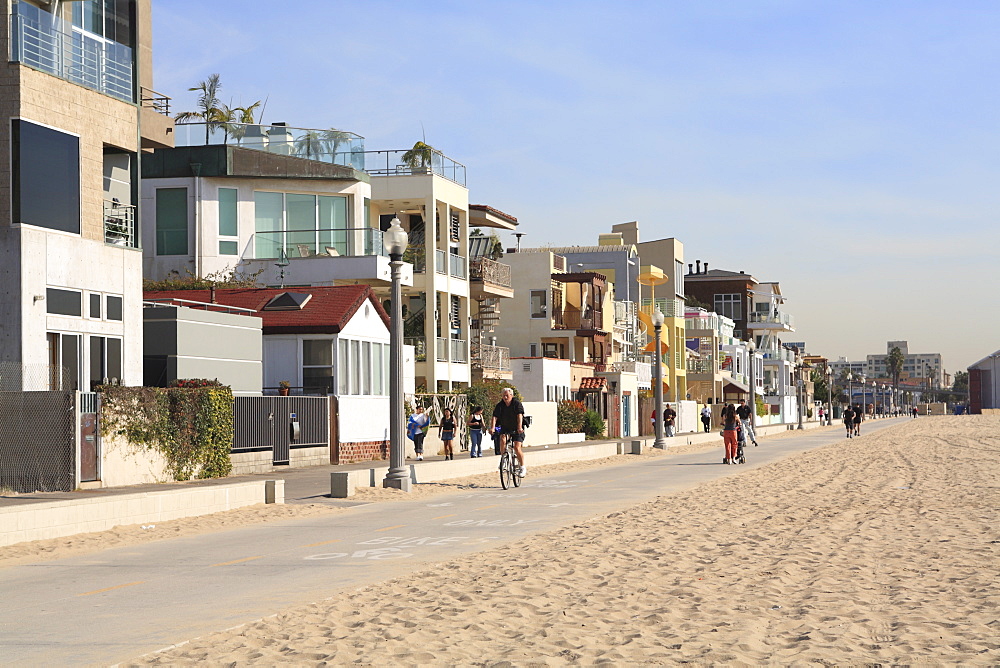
<point>289,244</point>
<point>414,161</point>
<point>774,318</point>
<point>783,354</point>
<point>45,42</point>
<point>440,261</point>
<point>456,266</point>
<point>337,147</point>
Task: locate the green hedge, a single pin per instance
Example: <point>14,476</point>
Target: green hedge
<point>192,427</point>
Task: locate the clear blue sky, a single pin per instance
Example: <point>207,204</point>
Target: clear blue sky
<point>846,149</point>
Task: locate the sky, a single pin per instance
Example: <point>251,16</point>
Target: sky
<point>848,150</point>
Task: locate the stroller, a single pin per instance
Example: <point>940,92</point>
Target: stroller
<point>741,441</point>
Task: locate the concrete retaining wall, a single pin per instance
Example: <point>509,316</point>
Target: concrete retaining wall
<point>66,517</point>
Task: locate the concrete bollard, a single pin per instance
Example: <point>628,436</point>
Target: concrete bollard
<point>341,484</point>
<point>274,491</point>
<point>636,447</point>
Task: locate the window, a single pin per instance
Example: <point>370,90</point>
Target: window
<point>114,308</point>
<point>679,278</point>
<point>63,302</point>
<point>95,306</point>
<point>362,368</point>
<point>105,360</point>
<point>228,222</point>
<point>302,225</point>
<point>46,177</point>
<point>64,361</point>
<point>171,221</point>
<point>730,306</point>
<point>532,350</point>
<point>538,305</point>
<point>317,365</point>
<point>107,18</point>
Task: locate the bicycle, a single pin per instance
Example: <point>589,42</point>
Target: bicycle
<point>509,467</point>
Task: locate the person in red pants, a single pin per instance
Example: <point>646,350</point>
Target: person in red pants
<point>730,433</point>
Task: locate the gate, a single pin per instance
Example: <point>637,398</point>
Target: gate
<point>280,424</point>
<point>627,415</point>
<point>38,441</point>
<point>90,437</point>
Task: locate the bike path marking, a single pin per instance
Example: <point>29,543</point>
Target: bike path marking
<point>237,561</point>
<point>101,591</point>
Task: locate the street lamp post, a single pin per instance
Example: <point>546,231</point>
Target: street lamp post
<point>752,348</point>
<point>395,240</point>
<point>850,390</point>
<point>801,395</point>
<point>829,389</point>
<point>659,441</point>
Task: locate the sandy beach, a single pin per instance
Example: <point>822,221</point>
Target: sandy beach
<point>882,549</point>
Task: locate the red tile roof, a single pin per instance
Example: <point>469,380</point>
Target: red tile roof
<point>329,310</point>
<point>593,383</point>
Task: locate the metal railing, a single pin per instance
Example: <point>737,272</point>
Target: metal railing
<point>158,102</point>
<point>643,370</point>
<point>577,320</point>
<point>402,162</point>
<point>219,308</point>
<point>775,318</point>
<point>45,42</point>
<point>119,224</point>
<point>321,242</point>
<point>336,147</point>
<point>458,351</point>
<point>669,307</point>
<point>419,344</point>
<point>456,266</point>
<point>701,366</point>
<point>490,272</point>
<point>782,354</point>
<point>485,356</point>
<point>440,261</point>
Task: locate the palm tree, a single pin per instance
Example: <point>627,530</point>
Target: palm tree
<point>894,364</point>
<point>419,156</point>
<point>309,143</point>
<point>209,106</point>
<point>237,119</point>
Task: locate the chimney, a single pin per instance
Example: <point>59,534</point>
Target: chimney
<point>690,268</point>
<point>706,267</point>
<point>697,265</point>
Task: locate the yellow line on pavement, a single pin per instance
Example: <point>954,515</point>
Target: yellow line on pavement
<point>441,517</point>
<point>236,561</point>
<point>398,526</point>
<point>324,542</point>
<point>98,591</point>
<point>495,505</point>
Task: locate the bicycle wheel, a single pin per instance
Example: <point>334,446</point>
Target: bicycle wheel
<point>513,472</point>
<point>505,470</point>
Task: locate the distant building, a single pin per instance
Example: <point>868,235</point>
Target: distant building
<point>984,384</point>
<point>926,368</point>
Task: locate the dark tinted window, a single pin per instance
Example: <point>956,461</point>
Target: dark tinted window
<point>63,302</point>
<point>171,221</point>
<point>46,177</point>
<point>114,309</point>
<point>95,306</point>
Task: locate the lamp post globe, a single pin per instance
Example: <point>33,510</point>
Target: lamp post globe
<point>659,441</point>
<point>395,241</point>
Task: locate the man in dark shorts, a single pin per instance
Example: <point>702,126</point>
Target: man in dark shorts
<point>509,415</point>
<point>858,416</point>
<point>849,420</point>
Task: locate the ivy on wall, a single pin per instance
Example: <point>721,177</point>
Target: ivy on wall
<point>192,427</point>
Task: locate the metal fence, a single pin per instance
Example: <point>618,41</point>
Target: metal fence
<point>37,441</point>
<point>280,424</point>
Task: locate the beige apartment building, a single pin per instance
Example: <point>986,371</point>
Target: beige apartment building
<point>77,109</point>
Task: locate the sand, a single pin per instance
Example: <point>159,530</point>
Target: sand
<point>883,549</point>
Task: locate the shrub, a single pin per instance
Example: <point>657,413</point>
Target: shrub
<point>593,424</point>
<point>487,394</point>
<point>570,417</point>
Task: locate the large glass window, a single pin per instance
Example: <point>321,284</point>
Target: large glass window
<point>269,217</point>
<point>362,368</point>
<point>63,302</point>
<point>171,221</point>
<point>730,306</point>
<point>538,304</point>
<point>300,219</point>
<point>64,361</point>
<point>105,360</point>
<point>333,224</point>
<point>107,18</point>
<point>317,365</point>
<point>46,177</point>
<point>303,225</point>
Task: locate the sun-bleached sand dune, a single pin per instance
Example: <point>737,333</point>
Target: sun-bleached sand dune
<point>881,549</point>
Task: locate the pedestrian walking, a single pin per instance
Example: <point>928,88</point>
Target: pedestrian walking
<point>745,414</point>
<point>858,417</point>
<point>416,429</point>
<point>476,428</point>
<point>915,411</point>
<point>849,420</point>
<point>669,417</point>
<point>730,433</point>
<point>706,418</point>
<point>447,432</point>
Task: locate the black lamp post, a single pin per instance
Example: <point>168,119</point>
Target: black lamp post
<point>395,240</point>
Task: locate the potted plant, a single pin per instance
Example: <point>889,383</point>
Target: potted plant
<point>283,387</point>
<point>418,158</point>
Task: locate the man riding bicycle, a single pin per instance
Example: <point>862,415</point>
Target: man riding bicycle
<point>509,416</point>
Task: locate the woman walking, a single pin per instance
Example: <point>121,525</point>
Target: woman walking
<point>447,433</point>
<point>476,427</point>
<point>415,428</point>
<point>730,433</point>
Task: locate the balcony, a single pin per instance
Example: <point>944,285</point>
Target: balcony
<point>643,370</point>
<point>783,355</point>
<point>413,162</point>
<point>670,307</point>
<point>776,320</point>
<point>47,43</point>
<point>490,358</point>
<point>490,278</point>
<point>577,320</point>
<point>451,350</point>
<point>701,366</point>
<point>336,147</point>
<point>119,224</point>
<point>419,344</point>
<point>156,123</point>
<point>456,266</point>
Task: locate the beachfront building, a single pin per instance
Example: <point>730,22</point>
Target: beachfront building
<point>426,189</point>
<point>489,286</point>
<point>984,384</point>
<point>78,109</point>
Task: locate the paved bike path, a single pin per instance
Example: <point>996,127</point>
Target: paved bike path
<point>124,602</point>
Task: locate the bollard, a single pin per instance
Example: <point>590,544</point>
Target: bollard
<point>274,491</point>
<point>341,484</point>
<point>636,447</point>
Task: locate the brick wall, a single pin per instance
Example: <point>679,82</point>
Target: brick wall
<point>361,451</point>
